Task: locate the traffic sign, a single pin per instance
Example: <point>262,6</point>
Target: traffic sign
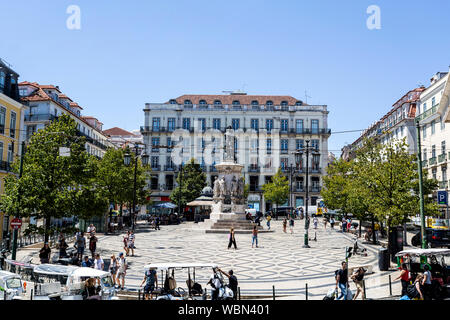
<point>442,197</point>
<point>16,223</point>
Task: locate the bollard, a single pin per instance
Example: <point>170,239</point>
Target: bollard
<point>139,294</point>
<point>239,293</point>
<point>364,289</point>
<point>273,292</point>
<point>306,292</point>
<point>31,294</point>
<point>390,286</point>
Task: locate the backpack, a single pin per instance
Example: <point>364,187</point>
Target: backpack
<point>336,273</point>
<point>411,291</point>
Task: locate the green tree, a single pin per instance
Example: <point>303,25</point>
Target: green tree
<point>277,191</point>
<point>192,184</point>
<point>55,186</point>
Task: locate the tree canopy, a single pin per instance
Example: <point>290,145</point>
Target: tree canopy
<point>277,191</point>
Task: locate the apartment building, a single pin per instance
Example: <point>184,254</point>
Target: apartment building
<point>268,130</point>
<point>11,125</point>
<point>47,102</point>
<point>397,124</point>
<point>121,138</point>
<point>433,117</point>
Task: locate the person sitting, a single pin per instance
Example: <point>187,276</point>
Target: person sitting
<point>91,292</point>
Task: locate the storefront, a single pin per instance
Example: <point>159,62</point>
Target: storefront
<point>254,202</point>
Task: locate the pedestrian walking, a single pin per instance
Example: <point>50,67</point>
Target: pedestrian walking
<point>113,266</point>
<point>426,283</point>
<point>415,290</point>
<point>349,224</point>
<point>150,279</point>
<point>291,225</point>
<point>315,222</point>
<point>131,239</point>
<point>404,278</point>
<point>332,222</point>
<point>93,244</point>
<point>232,282</point>
<point>284,225</point>
<point>325,221</point>
<point>80,244</point>
<point>344,225</point>
<point>98,262</point>
<point>62,246</point>
<point>255,236</point>
<point>268,218</point>
<point>342,281</point>
<point>357,278</point>
<point>44,253</point>
<point>157,223</point>
<point>125,242</point>
<point>216,282</point>
<point>231,239</point>
<point>122,271</point>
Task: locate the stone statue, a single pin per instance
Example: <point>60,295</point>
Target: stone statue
<point>216,189</point>
<point>241,188</point>
<point>222,187</point>
<point>234,187</point>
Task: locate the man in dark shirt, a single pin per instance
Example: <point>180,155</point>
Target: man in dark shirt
<point>44,253</point>
<point>342,280</point>
<point>232,282</point>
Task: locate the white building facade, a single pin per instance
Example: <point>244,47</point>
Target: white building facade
<point>268,130</point>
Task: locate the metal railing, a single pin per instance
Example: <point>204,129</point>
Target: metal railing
<point>40,117</point>
<point>424,163</point>
<point>442,157</point>
<point>427,113</point>
<point>432,161</point>
<point>443,184</point>
<point>253,168</point>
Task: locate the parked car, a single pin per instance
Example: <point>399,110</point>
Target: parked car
<point>435,238</point>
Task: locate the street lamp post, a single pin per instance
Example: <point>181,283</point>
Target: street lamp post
<point>422,209</point>
<point>179,192</point>
<point>127,161</point>
<point>16,231</point>
<point>298,155</point>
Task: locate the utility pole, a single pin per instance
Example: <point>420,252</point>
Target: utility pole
<point>179,193</point>
<point>422,210</point>
<point>16,231</point>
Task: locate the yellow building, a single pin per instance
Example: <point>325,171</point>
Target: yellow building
<point>11,129</point>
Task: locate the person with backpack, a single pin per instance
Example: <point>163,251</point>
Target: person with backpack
<point>357,278</point>
<point>131,239</point>
<point>122,271</point>
<point>80,244</point>
<point>150,279</point>
<point>268,218</point>
<point>93,244</point>
<point>341,276</point>
<point>62,246</point>
<point>414,290</point>
<point>404,278</point>
<point>232,282</point>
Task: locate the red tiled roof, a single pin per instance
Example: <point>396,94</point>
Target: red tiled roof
<point>116,131</point>
<point>243,99</point>
<point>50,86</point>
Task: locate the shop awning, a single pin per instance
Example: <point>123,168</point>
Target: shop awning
<point>198,203</point>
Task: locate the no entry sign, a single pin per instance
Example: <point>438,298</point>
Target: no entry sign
<point>16,223</point>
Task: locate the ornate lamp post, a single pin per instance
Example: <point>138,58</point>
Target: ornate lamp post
<point>298,156</point>
<point>127,161</point>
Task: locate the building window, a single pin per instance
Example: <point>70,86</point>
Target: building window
<point>299,126</point>
<point>433,127</point>
<point>269,125</point>
<point>424,131</point>
<point>217,103</point>
<point>284,163</point>
<point>202,103</point>
<point>202,124</point>
<point>10,158</point>
<point>31,129</point>
<point>269,145</point>
<point>444,174</point>
<point>433,102</point>
<point>284,103</point>
<point>155,161</point>
<point>2,120</point>
<point>269,103</point>
<point>236,103</point>
<point>235,124</point>
<point>12,125</point>
<point>2,81</point>
<point>434,173</point>
<point>442,124</point>
<point>187,123</point>
<point>299,144</point>
<point>315,144</point>
<point>433,151</point>
<point>171,124</point>
<point>187,102</point>
<point>173,101</point>
<point>284,125</point>
<point>284,145</point>
<point>254,123</point>
<point>1,151</point>
<point>169,144</point>
<point>155,144</point>
<point>216,123</point>
<point>298,103</point>
<point>315,126</point>
<point>443,147</point>
<point>154,185</point>
<point>156,124</point>
<point>424,154</point>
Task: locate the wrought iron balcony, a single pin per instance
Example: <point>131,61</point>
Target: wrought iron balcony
<point>427,113</point>
<point>40,117</point>
<point>443,184</point>
<point>253,168</point>
<point>432,161</point>
<point>424,163</point>
<point>156,167</point>
<point>315,188</point>
<point>442,157</point>
<point>169,167</point>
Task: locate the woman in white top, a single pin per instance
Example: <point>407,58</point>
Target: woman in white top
<point>98,262</point>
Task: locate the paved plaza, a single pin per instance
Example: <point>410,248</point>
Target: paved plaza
<point>279,261</point>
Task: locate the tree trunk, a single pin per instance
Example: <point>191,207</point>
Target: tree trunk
<point>46,229</point>
<point>373,230</point>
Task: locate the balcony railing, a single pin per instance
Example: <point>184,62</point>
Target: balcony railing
<point>315,188</point>
<point>432,161</point>
<point>443,184</point>
<point>39,117</point>
<point>253,168</point>
<point>442,157</point>
<point>424,163</point>
<point>169,167</point>
<point>255,188</point>
<point>427,113</point>
<point>156,167</point>
<point>212,169</point>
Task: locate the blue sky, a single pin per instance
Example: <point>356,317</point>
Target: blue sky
<point>128,53</point>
